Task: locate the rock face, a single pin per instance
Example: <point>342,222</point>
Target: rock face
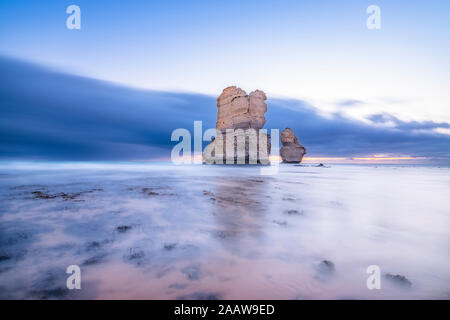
<point>291,151</point>
<point>239,120</point>
<point>237,110</point>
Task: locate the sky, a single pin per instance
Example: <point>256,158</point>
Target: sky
<point>49,115</point>
<point>317,55</point>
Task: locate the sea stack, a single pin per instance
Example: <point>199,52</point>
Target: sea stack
<point>239,119</point>
<point>291,151</point>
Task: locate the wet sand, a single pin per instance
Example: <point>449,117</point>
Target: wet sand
<point>155,231</point>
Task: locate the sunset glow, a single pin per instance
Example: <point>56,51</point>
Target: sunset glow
<point>364,159</point>
<point>389,158</point>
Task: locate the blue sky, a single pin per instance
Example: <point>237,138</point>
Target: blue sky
<point>318,52</point>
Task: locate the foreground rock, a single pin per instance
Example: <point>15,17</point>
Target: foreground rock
<point>399,280</point>
<point>239,120</point>
<point>291,151</point>
<point>326,266</point>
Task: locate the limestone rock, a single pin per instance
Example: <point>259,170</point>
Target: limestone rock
<point>291,151</point>
<point>239,119</point>
<point>237,110</point>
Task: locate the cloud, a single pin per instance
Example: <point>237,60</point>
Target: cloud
<point>341,136</point>
<point>384,118</point>
<point>350,103</point>
<point>51,115</point>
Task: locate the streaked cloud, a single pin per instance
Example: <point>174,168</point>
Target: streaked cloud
<point>350,103</point>
<point>51,115</point>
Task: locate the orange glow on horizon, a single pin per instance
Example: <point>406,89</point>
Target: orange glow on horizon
<point>369,158</point>
<point>388,158</point>
<point>323,158</point>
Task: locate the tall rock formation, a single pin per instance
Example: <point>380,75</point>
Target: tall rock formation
<point>239,119</point>
<point>291,151</point>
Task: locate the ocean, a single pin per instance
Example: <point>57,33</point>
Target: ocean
<point>143,230</point>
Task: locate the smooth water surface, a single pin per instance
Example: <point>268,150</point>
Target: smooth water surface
<point>160,231</point>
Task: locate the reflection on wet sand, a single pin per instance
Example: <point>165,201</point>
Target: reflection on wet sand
<point>239,207</point>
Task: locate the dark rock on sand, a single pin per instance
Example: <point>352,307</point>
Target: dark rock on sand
<point>225,234</point>
<point>169,246</point>
<point>326,266</point>
<point>43,195</point>
<point>398,280</point>
<point>94,260</point>
<point>201,296</point>
<point>280,223</point>
<point>49,285</point>
<point>93,245</point>
<point>56,293</point>
<point>256,180</point>
<point>135,254</point>
<point>15,238</point>
<point>149,191</point>
<point>294,212</point>
<point>178,286</point>
<point>4,258</point>
<point>321,165</point>
<point>123,229</point>
<point>191,272</point>
<point>207,193</point>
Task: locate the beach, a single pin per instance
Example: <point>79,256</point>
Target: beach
<point>143,230</point>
